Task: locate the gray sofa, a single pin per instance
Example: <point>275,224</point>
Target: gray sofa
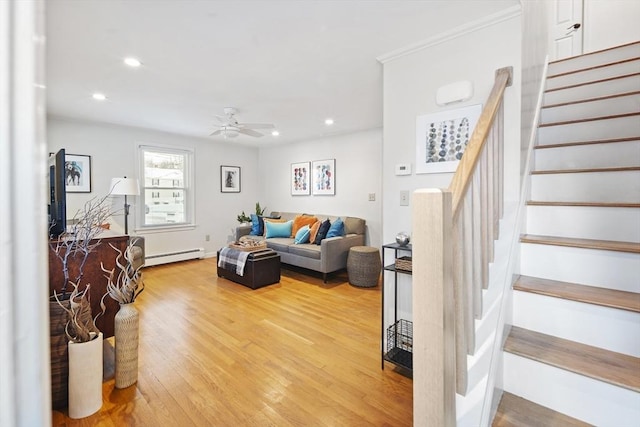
<point>329,256</point>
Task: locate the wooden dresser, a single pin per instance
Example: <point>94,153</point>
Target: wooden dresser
<point>92,275</point>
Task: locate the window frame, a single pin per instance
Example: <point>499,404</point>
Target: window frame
<point>188,187</point>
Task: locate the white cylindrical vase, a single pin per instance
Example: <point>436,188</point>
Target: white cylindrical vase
<point>126,333</point>
<point>85,377</point>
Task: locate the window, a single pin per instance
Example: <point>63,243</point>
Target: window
<point>167,177</point>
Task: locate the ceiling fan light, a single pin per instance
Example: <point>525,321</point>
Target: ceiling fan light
<point>231,133</point>
<point>275,133</point>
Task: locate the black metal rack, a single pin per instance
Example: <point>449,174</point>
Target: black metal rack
<point>399,335</point>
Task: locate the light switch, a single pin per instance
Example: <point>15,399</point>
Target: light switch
<point>372,197</point>
<point>404,198</point>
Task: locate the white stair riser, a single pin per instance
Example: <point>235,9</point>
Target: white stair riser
<point>622,127</point>
<point>594,90</point>
<point>589,400</point>
<point>587,187</point>
<point>585,222</point>
<point>594,74</point>
<point>618,154</point>
<point>594,59</point>
<point>594,325</point>
<point>593,267</point>
<point>586,110</point>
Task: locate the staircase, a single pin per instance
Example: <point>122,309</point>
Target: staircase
<point>572,355</point>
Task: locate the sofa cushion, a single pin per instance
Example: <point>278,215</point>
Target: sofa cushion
<point>353,225</point>
<point>302,236</point>
<point>322,231</point>
<point>277,229</point>
<point>277,220</point>
<point>280,244</point>
<point>336,229</point>
<point>306,250</point>
<point>300,221</point>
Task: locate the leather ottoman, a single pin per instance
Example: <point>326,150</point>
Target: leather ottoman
<point>261,269</point>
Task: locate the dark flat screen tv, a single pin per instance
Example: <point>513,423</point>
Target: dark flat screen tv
<point>57,195</point>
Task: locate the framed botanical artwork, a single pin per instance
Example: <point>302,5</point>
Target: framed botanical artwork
<point>441,138</point>
<point>300,179</point>
<point>324,177</point>
<point>77,173</point>
<point>230,179</point>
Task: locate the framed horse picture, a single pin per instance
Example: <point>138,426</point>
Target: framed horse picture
<point>77,173</point>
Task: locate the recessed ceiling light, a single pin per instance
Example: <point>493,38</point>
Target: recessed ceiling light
<point>275,133</point>
<point>132,62</point>
<point>328,122</point>
<point>99,96</point>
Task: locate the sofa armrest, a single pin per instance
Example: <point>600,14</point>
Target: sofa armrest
<point>334,251</point>
<point>242,230</point>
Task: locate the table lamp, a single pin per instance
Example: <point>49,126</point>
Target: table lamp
<point>125,187</point>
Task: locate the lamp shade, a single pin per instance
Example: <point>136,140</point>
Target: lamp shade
<point>124,187</point>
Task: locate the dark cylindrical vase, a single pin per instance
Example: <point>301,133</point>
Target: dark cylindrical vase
<point>58,318</point>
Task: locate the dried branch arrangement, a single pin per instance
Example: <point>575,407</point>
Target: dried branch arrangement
<point>80,327</point>
<point>127,285</point>
<point>79,239</point>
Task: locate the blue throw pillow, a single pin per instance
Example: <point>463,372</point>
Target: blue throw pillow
<point>302,236</point>
<point>322,231</point>
<point>257,225</point>
<point>278,229</point>
<point>336,229</point>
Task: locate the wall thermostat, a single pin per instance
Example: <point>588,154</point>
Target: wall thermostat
<point>403,169</point>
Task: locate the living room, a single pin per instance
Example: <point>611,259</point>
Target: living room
<point>366,157</point>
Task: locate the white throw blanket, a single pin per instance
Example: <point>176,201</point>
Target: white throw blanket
<point>233,259</point>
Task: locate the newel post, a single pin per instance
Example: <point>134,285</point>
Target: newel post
<point>433,310</point>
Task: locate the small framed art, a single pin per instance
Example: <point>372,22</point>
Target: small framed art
<point>300,179</point>
<point>324,177</point>
<point>229,179</point>
<point>77,173</point>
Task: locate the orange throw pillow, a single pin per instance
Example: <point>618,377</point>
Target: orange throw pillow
<point>300,221</point>
<point>314,231</point>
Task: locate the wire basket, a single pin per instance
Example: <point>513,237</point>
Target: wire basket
<point>400,343</point>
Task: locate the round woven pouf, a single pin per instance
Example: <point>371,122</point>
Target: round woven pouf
<point>363,266</point>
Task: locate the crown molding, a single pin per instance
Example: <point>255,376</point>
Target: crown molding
<point>456,32</point>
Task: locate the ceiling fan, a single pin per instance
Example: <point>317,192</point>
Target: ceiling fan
<point>230,127</point>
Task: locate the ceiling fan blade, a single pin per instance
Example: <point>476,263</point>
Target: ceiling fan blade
<point>257,125</point>
<point>218,132</point>
<point>249,132</point>
<point>220,118</point>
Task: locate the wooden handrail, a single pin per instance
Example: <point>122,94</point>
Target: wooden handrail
<point>464,172</point>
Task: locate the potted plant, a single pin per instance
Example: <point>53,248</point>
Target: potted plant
<point>259,210</point>
<point>243,218</point>
<point>72,248</point>
<point>124,289</point>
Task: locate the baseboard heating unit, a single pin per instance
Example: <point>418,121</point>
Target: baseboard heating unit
<point>168,257</point>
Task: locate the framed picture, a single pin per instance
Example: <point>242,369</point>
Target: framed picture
<point>300,179</point>
<point>324,177</point>
<point>230,179</point>
<point>77,173</point>
<point>441,138</point>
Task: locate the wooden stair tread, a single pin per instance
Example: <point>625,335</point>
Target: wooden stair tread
<point>604,365</point>
<point>607,245</point>
<point>595,52</point>
<point>613,298</point>
<point>571,144</point>
<point>586,170</point>
<point>593,67</point>
<point>585,204</point>
<point>599,98</point>
<point>515,411</point>
<point>608,79</point>
<point>589,119</point>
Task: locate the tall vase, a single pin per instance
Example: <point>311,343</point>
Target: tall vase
<point>85,377</point>
<point>58,341</point>
<point>126,334</point>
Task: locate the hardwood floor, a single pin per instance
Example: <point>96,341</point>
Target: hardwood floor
<point>215,353</point>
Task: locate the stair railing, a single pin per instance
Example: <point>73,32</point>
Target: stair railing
<point>453,234</point>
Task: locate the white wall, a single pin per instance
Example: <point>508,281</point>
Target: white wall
<point>410,85</point>
<point>113,153</point>
<point>609,23</point>
<point>357,174</point>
